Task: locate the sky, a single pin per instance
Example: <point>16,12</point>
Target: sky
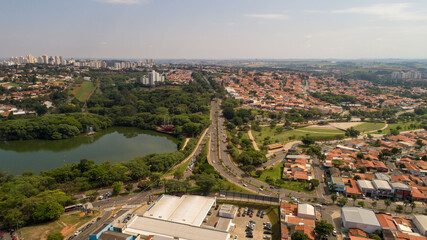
<point>215,29</point>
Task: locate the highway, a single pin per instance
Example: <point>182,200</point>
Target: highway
<point>229,170</point>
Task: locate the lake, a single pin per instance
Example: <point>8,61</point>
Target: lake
<point>115,144</point>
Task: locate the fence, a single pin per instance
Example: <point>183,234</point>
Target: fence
<point>238,196</point>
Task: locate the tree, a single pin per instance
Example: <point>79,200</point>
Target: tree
<point>205,182</point>
<point>399,208</point>
<point>354,197</point>
<point>405,203</point>
<point>387,203</point>
<point>155,178</point>
<point>13,218</point>
<point>55,236</point>
<point>47,211</point>
<point>394,132</point>
<point>306,140</point>
<point>342,201</point>
<point>361,204</point>
<point>334,197</point>
<point>413,205</point>
<point>117,187</point>
<point>248,168</point>
<point>323,229</point>
<point>129,187</point>
<point>299,236</point>
<point>314,183</point>
<point>352,132</point>
<point>178,174</point>
<point>374,204</point>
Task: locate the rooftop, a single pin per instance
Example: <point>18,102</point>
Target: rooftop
<point>360,215</point>
<point>381,184</point>
<point>365,184</point>
<point>187,209</point>
<point>306,209</point>
<point>151,226</point>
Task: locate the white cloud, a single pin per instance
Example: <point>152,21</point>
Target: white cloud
<point>394,11</point>
<point>126,2</point>
<point>268,16</point>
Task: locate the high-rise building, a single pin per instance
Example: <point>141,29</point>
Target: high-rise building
<point>30,58</point>
<point>406,75</point>
<point>45,59</point>
<point>152,79</point>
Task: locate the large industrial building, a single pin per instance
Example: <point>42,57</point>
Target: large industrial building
<point>172,217</point>
<point>360,218</point>
<point>420,222</point>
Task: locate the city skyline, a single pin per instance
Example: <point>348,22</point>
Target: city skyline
<point>124,29</point>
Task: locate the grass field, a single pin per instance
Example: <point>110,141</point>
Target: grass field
<point>292,134</point>
<point>222,185</point>
<point>181,167</point>
<point>276,173</point>
<point>82,91</point>
<point>403,126</point>
<point>321,130</point>
<point>71,221</point>
<point>369,126</point>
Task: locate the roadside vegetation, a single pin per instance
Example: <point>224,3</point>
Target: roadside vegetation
<point>66,224</point>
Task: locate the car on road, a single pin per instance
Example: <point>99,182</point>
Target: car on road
<point>334,233</point>
<point>260,189</point>
<point>245,185</point>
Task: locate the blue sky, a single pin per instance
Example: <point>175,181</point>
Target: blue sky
<point>214,29</point>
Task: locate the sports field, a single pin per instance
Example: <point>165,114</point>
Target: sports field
<point>83,90</point>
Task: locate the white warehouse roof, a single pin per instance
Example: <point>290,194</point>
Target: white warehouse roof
<point>360,215</point>
<point>187,209</point>
<point>171,230</point>
<point>381,185</point>
<point>365,184</point>
<point>398,185</point>
<point>306,209</point>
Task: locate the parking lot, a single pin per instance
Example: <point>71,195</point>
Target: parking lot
<point>258,229</point>
<point>241,222</point>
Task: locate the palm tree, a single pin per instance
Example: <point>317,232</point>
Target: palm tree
<point>413,205</point>
<point>405,203</point>
<point>387,203</point>
<point>354,197</point>
<point>334,197</point>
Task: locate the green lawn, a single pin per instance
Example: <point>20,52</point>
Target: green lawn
<point>404,126</point>
<point>222,185</point>
<point>181,167</point>
<point>276,173</point>
<point>369,126</point>
<point>322,130</point>
<point>296,134</point>
<point>82,91</point>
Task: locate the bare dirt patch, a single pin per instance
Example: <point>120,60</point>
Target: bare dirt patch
<point>344,125</point>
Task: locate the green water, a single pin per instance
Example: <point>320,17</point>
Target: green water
<point>116,144</point>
